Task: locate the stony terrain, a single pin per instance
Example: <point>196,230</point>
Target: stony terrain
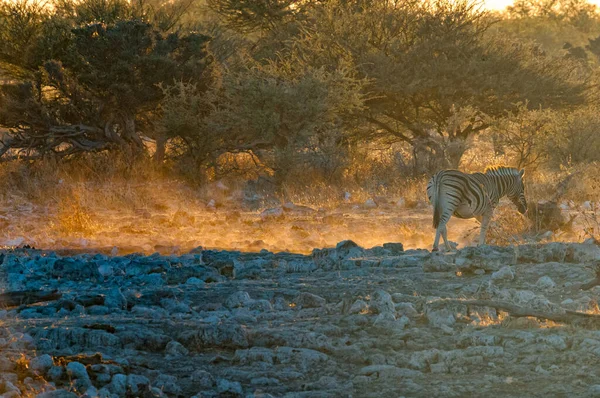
<point>340,322</point>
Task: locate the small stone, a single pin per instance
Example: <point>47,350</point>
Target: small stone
<point>203,379</point>
<point>309,300</point>
<point>594,391</point>
<point>394,248</point>
<point>137,384</point>
<point>238,299</point>
<point>381,302</point>
<point>115,299</point>
<point>167,384</point>
<point>91,392</point>
<point>55,373</point>
<point>504,274</point>
<point>77,370</point>
<point>545,282</point>
<point>176,349</point>
<point>229,387</point>
<point>370,204</point>
<point>384,318</point>
<point>407,309</point>
<point>193,281</point>
<point>358,307</point>
<point>441,317</point>
<point>105,270</point>
<point>118,385</point>
<point>41,364</point>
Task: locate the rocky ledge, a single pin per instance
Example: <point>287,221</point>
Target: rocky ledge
<point>344,321</point>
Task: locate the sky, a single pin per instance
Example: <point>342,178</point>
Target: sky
<point>501,4</point>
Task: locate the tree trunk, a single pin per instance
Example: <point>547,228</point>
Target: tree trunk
<point>129,132</point>
<point>454,152</point>
<point>159,154</point>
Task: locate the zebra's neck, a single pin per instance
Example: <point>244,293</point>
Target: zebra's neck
<point>501,185</point>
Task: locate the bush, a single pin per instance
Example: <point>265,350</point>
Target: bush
<point>573,138</point>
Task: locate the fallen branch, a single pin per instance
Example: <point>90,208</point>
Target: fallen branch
<point>12,299</point>
<point>517,311</point>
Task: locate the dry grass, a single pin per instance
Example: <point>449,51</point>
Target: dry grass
<point>111,200</point>
<point>74,219</point>
<point>508,227</point>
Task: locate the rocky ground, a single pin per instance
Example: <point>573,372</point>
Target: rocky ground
<point>340,322</point>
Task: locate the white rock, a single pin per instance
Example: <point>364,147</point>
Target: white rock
<point>358,307</point>
<point>441,317</point>
<point>275,213</point>
<point>137,384</point>
<point>41,364</point>
<point>594,391</point>
<point>91,392</point>
<point>105,270</point>
<point>118,385</point>
<point>381,301</point>
<point>176,349</point>
<point>407,309</point>
<point>77,370</point>
<point>505,273</point>
<point>203,379</point>
<point>232,387</point>
<point>370,204</point>
<point>238,299</point>
<point>545,282</point>
<point>193,281</point>
<point>587,205</point>
<point>384,318</point>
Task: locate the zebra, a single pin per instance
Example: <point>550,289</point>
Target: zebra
<point>452,192</point>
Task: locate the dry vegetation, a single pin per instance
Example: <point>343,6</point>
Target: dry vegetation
<point>101,202</point>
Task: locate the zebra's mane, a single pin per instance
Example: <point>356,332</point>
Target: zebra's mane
<point>501,170</point>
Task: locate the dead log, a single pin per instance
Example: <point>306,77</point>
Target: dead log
<point>516,311</point>
<point>14,299</point>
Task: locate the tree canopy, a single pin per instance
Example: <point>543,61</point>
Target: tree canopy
<point>283,80</point>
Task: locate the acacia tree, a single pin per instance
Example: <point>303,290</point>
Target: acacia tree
<point>260,15</point>
<point>283,112</point>
<point>88,85</point>
<point>436,78</point>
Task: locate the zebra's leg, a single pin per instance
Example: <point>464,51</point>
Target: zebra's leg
<point>485,223</point>
<point>445,236</point>
<point>436,242</point>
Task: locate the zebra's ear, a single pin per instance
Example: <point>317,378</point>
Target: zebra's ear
<point>522,173</point>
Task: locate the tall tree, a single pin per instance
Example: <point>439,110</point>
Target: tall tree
<point>436,78</point>
<point>89,84</point>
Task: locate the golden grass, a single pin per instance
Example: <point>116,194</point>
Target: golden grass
<point>116,200</point>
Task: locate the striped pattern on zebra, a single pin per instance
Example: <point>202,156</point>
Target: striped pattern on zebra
<point>452,192</point>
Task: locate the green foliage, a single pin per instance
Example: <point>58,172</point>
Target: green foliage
<point>524,135</point>
<point>253,15</point>
<point>90,85</point>
<point>573,137</point>
<point>279,110</point>
<point>551,23</point>
<point>298,86</point>
<point>430,64</point>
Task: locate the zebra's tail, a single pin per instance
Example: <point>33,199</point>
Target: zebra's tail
<point>437,203</point>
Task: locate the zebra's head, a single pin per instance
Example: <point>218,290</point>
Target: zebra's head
<point>517,193</point>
